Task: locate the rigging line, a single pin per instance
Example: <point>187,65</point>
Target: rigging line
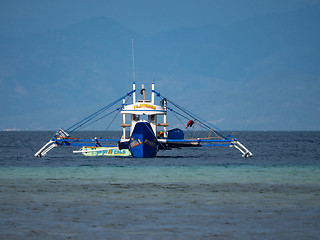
<point>94,115</point>
<point>113,119</point>
<point>214,132</point>
<point>82,124</point>
<point>179,114</point>
<point>177,117</point>
<point>90,117</point>
<point>190,114</point>
<point>126,100</point>
<point>176,113</point>
<point>200,120</point>
<point>96,120</point>
<point>196,117</point>
<point>195,130</point>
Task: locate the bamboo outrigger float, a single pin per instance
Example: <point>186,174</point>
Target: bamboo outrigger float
<point>148,130</point>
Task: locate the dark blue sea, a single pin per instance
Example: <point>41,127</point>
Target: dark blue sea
<point>195,193</point>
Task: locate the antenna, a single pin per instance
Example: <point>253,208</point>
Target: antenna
<point>133,73</point>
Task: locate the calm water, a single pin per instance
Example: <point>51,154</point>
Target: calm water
<point>199,193</point>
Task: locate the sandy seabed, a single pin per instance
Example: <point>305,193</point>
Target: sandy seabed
<point>82,209</point>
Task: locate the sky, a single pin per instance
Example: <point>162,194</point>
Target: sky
<point>149,19</point>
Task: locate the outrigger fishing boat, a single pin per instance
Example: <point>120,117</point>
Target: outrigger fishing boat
<point>148,130</point>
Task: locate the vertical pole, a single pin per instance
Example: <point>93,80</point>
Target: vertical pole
<point>123,119</point>
<point>124,128</point>
<point>152,94</point>
<point>134,92</point>
<point>133,74</point>
<point>165,118</point>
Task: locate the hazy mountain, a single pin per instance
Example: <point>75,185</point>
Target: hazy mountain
<point>260,73</point>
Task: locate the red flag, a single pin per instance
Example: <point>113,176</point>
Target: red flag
<point>190,124</point>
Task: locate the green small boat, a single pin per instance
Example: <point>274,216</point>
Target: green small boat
<point>104,151</point>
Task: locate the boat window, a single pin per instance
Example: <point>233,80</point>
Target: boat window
<point>144,117</point>
<point>152,118</point>
<point>135,117</point>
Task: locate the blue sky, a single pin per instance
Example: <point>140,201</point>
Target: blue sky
<point>263,80</point>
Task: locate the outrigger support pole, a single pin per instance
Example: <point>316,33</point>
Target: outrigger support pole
<point>46,148</point>
<point>51,144</point>
<point>245,152</point>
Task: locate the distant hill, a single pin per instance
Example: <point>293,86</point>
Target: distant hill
<point>260,73</point>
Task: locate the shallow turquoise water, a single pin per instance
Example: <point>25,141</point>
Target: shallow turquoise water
<point>242,202</point>
<point>201,194</point>
<point>170,174</point>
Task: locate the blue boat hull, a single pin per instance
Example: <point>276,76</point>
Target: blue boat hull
<point>143,143</point>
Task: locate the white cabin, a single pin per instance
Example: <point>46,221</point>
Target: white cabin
<point>144,110</point>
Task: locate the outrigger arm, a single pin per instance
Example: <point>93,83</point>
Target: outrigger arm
<point>177,143</point>
<point>46,148</point>
<point>62,138</point>
<point>245,152</point>
<point>51,144</point>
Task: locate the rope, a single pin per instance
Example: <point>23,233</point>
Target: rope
<point>194,132</point>
<point>176,113</point>
<point>113,119</point>
<point>205,124</point>
<point>97,119</point>
<point>118,109</point>
<point>79,124</point>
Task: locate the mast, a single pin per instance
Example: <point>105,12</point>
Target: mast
<point>133,73</point>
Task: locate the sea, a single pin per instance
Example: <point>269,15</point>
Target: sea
<point>194,193</point>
